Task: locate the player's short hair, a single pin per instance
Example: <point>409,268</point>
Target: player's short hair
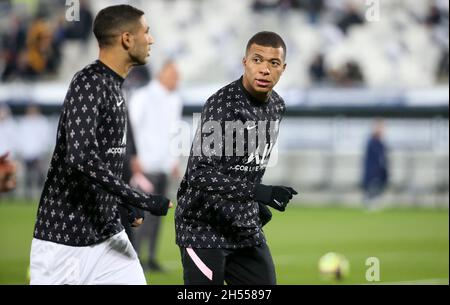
<point>267,39</point>
<point>112,21</point>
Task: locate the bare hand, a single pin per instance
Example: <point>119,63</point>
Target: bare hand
<point>170,205</point>
<point>137,222</point>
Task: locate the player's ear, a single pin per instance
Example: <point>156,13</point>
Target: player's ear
<point>284,66</point>
<point>244,61</point>
<point>127,40</point>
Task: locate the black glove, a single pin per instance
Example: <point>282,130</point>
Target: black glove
<point>134,213</point>
<point>273,195</point>
<point>264,214</point>
<point>162,205</point>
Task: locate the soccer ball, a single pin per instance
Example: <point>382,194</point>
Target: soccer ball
<point>334,266</point>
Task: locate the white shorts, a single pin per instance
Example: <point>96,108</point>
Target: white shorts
<point>112,262</point>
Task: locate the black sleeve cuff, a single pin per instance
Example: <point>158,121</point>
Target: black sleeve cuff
<point>263,193</point>
<point>265,214</point>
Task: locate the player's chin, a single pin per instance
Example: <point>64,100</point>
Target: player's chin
<point>141,60</point>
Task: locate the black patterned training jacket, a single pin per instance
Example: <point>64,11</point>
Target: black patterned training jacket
<point>215,206</point>
<point>78,205</point>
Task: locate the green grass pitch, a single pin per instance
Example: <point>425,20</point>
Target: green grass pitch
<point>412,245</point>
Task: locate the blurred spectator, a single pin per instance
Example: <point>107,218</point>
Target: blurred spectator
<point>264,5</point>
<point>34,131</point>
<point>314,9</point>
<point>133,175</point>
<point>326,33</point>
<point>353,73</point>
<point>437,22</point>
<point>58,40</point>
<point>7,173</point>
<point>350,18</point>
<point>289,4</point>
<point>138,77</point>
<point>8,144</point>
<point>155,111</point>
<point>443,67</point>
<point>12,48</point>
<point>8,130</point>
<point>317,72</point>
<point>348,75</point>
<point>39,43</point>
<point>433,17</point>
<point>376,173</point>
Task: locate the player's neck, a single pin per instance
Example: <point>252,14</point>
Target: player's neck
<point>260,97</point>
<point>112,60</point>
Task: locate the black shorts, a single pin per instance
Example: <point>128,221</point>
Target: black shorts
<point>247,266</point>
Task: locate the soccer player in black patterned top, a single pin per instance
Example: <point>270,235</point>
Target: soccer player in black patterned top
<point>78,237</point>
<point>222,204</point>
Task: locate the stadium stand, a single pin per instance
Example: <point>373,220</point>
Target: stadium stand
<point>344,70</point>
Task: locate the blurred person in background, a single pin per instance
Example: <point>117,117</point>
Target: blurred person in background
<point>264,5</point>
<point>139,77</point>
<point>349,74</point>
<point>317,71</point>
<point>133,175</point>
<point>313,8</point>
<point>375,171</point>
<point>155,111</point>
<point>351,17</point>
<point>8,131</point>
<point>34,136</point>
<point>12,48</point>
<point>8,147</point>
<point>437,21</point>
<point>38,47</point>
<point>8,170</point>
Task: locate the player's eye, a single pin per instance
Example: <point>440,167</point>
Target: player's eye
<point>275,63</point>
<point>256,60</point>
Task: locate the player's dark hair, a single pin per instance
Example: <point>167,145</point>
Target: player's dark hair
<point>113,21</point>
<point>267,39</point>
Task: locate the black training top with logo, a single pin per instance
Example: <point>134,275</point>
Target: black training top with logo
<point>78,205</point>
<point>215,207</point>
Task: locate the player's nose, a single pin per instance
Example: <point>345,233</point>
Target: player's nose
<point>150,39</point>
<point>265,70</point>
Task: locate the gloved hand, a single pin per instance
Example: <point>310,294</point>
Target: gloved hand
<point>264,214</point>
<point>273,195</point>
<point>160,205</point>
